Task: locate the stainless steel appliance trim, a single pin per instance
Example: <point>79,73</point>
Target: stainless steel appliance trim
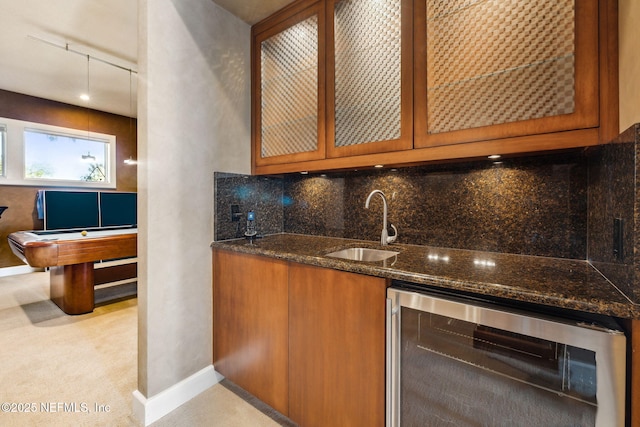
<point>608,345</point>
<point>393,368</point>
<point>388,375</point>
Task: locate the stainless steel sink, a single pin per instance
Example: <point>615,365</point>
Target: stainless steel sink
<point>363,254</point>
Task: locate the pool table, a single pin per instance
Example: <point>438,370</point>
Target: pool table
<point>70,255</point>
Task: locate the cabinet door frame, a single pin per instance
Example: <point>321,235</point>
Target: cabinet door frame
<point>587,87</point>
<point>287,17</point>
<point>405,142</point>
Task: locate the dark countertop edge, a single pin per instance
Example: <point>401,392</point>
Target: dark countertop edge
<point>628,311</point>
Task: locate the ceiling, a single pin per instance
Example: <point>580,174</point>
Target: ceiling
<point>252,11</point>
<point>38,39</point>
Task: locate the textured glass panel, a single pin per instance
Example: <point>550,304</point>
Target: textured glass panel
<point>367,71</point>
<point>506,61</point>
<point>290,90</point>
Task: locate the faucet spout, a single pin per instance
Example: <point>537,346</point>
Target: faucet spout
<point>385,239</point>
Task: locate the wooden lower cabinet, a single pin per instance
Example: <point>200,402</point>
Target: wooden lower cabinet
<point>337,348</point>
<point>633,377</point>
<point>250,325</point>
<point>308,341</point>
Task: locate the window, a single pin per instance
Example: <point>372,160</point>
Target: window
<point>62,157</point>
<point>43,155</point>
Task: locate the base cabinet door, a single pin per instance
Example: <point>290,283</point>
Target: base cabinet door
<point>250,324</point>
<point>337,348</point>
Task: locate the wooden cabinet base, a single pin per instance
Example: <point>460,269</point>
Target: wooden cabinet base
<point>308,341</point>
<point>336,347</point>
<point>250,321</point>
<point>72,287</point>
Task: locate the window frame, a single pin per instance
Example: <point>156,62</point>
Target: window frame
<point>14,170</point>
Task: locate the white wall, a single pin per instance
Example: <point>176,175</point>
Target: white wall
<point>629,32</point>
<point>194,118</point>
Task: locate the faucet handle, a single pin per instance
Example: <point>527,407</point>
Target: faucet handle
<point>393,238</point>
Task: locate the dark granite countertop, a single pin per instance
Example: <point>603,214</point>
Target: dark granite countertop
<point>562,283</point>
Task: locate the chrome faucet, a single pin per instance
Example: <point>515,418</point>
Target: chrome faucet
<point>385,239</point>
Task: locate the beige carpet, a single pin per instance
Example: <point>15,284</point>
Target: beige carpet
<point>82,370</point>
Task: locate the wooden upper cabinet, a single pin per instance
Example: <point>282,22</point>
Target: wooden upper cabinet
<point>288,85</point>
<point>369,76</point>
<point>492,70</point>
<point>413,81</point>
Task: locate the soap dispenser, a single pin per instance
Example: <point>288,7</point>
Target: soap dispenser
<point>251,225</point>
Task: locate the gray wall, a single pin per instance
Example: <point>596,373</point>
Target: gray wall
<point>194,118</point>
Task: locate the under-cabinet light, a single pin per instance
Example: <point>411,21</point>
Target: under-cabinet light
<point>484,263</point>
<point>494,156</point>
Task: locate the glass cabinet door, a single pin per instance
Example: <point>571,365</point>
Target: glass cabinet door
<point>369,87</point>
<point>289,89</point>
<point>511,68</point>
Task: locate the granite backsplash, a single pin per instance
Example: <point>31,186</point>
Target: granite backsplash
<point>261,194</point>
<point>534,206</point>
<point>614,194</point>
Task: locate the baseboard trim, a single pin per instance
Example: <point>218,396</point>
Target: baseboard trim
<point>149,410</point>
<point>19,269</point>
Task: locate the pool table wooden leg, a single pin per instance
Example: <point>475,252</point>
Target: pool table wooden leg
<point>72,287</point>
